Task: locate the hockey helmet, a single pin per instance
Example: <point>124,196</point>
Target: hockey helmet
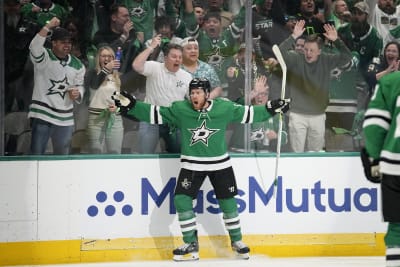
<point>200,83</point>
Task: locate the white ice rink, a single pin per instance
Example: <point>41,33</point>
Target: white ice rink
<point>254,261</point>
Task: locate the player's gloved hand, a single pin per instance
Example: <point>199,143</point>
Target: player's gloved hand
<point>277,105</point>
<point>124,101</point>
<point>371,167</point>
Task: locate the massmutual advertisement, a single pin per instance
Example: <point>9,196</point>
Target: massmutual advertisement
<point>107,199</point>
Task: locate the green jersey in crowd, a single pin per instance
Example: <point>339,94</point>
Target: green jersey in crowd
<point>142,15</point>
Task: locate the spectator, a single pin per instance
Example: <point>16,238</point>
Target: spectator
<point>337,13</point>
<point>80,48</point>
<point>385,64</point>
<point>198,68</point>
<point>175,11</point>
<point>105,128</point>
<point>120,33</point>
<point>236,72</point>
<point>268,25</point>
<point>58,82</point>
<point>18,33</point>
<point>142,16</point>
<point>308,83</point>
<point>217,45</point>
<point>165,82</point>
<point>365,43</point>
<point>164,27</point>
<point>199,12</point>
<point>384,17</point>
<point>313,25</point>
<point>299,44</point>
<point>217,7</point>
<point>94,16</point>
<point>360,36</point>
<point>42,11</point>
<point>263,135</point>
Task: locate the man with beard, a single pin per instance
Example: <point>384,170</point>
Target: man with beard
<point>385,18</point>
<point>203,123</point>
<point>58,83</point>
<point>364,40</point>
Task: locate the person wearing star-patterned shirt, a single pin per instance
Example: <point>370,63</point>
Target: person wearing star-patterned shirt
<point>203,122</point>
<point>58,82</point>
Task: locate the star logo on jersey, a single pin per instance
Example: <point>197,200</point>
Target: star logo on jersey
<point>58,87</point>
<point>215,59</point>
<point>202,134</point>
<point>137,12</point>
<point>179,84</point>
<point>257,134</point>
<point>186,184</point>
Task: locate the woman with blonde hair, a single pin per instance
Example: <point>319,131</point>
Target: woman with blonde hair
<point>105,128</point>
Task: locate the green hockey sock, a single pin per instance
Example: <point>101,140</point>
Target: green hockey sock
<point>231,218</point>
<point>187,218</point>
<point>392,237</point>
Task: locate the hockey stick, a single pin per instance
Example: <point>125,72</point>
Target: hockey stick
<point>279,57</point>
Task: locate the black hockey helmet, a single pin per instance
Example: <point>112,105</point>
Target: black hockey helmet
<point>200,83</point>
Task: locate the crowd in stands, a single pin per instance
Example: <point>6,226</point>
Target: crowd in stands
<point>344,46</point>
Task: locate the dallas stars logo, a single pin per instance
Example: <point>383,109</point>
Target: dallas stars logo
<point>58,87</point>
<point>202,134</point>
<point>186,183</point>
<point>257,134</point>
<point>215,59</point>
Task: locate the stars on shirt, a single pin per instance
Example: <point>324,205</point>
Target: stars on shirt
<point>58,87</point>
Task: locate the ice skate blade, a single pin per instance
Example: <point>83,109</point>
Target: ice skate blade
<point>244,256</point>
<point>188,257</point>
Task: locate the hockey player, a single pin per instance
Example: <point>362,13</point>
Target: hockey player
<point>381,155</point>
<point>203,123</point>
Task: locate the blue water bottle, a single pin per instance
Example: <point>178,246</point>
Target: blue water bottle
<point>118,55</point>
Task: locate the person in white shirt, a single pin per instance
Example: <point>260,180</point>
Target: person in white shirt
<point>165,83</point>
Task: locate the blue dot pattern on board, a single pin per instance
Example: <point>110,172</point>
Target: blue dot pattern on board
<point>110,210</point>
<point>101,196</point>
<point>119,196</point>
<point>92,211</point>
<point>127,210</point>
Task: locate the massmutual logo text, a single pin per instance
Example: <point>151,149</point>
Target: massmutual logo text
<point>299,200</point>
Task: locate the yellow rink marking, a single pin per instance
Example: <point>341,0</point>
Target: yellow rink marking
<point>159,248</point>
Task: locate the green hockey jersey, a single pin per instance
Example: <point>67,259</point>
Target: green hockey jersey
<point>203,132</point>
<point>382,134</point>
